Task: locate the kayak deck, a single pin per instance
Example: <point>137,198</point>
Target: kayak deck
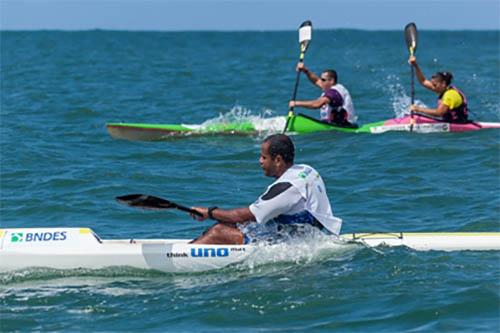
<point>73,248</point>
<point>298,124</point>
<point>155,132</point>
<point>425,124</point>
<point>425,241</point>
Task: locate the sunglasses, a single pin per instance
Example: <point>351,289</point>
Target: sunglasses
<point>325,79</point>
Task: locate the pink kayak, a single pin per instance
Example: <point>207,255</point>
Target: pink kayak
<point>424,124</point>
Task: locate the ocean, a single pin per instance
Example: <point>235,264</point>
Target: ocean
<point>60,168</point>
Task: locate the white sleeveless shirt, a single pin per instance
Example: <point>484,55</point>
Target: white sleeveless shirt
<point>348,104</point>
<point>306,193</point>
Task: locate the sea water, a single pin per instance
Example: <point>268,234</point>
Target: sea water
<point>59,167</point>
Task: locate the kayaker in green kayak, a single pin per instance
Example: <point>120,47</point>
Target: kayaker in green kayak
<point>295,204</point>
<point>451,104</point>
<point>335,103</point>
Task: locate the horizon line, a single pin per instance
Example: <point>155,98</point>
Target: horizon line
<point>243,30</point>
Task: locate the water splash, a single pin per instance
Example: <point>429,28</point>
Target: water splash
<point>265,122</point>
<point>400,101</point>
<point>277,259</point>
<point>308,248</point>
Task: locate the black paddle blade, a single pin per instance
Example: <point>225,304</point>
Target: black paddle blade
<point>411,37</point>
<point>145,201</point>
<point>306,24</point>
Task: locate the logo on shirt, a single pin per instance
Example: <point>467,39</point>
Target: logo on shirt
<point>305,173</point>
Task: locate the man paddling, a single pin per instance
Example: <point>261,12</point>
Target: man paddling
<point>294,204</point>
<point>335,103</point>
<point>452,103</point>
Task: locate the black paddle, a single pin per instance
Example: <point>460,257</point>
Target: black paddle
<point>305,32</point>
<point>151,202</point>
<point>411,43</point>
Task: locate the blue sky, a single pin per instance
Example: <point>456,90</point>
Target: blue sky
<point>247,14</point>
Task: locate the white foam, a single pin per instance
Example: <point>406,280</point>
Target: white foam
<point>267,260</point>
<point>274,124</point>
<point>306,249</point>
<point>265,122</point>
<point>399,99</point>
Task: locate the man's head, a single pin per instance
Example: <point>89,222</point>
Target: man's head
<point>328,78</point>
<point>276,155</point>
<point>441,81</point>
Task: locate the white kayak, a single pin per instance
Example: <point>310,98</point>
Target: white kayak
<point>74,248</point>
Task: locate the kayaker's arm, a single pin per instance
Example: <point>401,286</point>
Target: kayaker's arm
<point>310,74</point>
<point>420,75</point>
<point>313,104</point>
<point>231,216</point>
<point>439,112</point>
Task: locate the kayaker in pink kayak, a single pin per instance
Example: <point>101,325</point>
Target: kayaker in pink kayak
<point>452,103</point>
<point>335,103</point>
<point>294,205</point>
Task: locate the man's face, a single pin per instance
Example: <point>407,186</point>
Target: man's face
<point>326,81</point>
<point>267,163</point>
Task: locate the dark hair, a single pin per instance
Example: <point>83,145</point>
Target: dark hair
<point>280,144</point>
<point>445,77</point>
<point>332,74</point>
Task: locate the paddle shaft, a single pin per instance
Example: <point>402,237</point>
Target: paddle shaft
<point>411,42</point>
<point>151,202</point>
<point>305,31</point>
<point>294,95</point>
<point>297,79</point>
<point>412,85</point>
<point>186,209</point>
<point>412,91</point>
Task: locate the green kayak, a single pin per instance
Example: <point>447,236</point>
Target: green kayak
<point>299,124</point>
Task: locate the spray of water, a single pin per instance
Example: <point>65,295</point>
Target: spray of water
<point>400,101</point>
<point>265,122</point>
<point>310,247</point>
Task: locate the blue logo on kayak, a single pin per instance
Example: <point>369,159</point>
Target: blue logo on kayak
<point>38,236</point>
<point>210,252</point>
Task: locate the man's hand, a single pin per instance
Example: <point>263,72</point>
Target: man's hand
<point>412,60</point>
<point>414,108</point>
<point>292,104</point>
<point>301,68</point>
<point>202,211</point>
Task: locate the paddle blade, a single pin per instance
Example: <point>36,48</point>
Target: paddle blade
<point>411,37</point>
<point>305,35</point>
<point>145,201</point>
<point>305,31</point>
